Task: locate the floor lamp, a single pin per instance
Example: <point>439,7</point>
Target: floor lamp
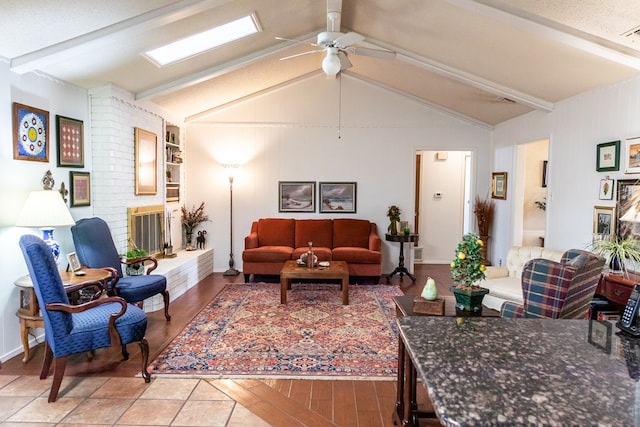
<point>232,271</point>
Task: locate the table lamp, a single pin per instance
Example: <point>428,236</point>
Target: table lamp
<point>46,209</point>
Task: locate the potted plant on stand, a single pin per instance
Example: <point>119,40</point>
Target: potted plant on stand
<point>393,213</point>
<point>467,270</point>
<point>484,209</point>
<point>617,251</point>
<point>134,260</point>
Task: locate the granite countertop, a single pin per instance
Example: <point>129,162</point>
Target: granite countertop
<point>533,372</point>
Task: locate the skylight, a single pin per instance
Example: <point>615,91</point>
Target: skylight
<point>202,42</point>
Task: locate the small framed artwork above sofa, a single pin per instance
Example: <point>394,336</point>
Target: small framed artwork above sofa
<point>296,196</point>
<point>338,197</point>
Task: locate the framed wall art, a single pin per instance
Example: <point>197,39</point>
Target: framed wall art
<point>608,156</point>
<point>80,188</point>
<point>146,164</point>
<point>338,197</point>
<point>296,196</point>
<point>70,133</point>
<point>30,133</point>
<point>632,159</point>
<point>499,185</point>
<point>628,216</point>
<point>606,189</point>
<point>604,219</point>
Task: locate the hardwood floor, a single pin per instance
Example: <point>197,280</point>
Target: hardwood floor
<point>278,402</point>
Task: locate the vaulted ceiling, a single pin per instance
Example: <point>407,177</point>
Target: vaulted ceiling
<point>486,61</point>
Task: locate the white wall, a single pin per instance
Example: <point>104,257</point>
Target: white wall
<point>19,177</point>
<point>574,129</point>
<point>292,135</point>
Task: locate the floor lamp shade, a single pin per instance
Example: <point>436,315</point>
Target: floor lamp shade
<point>46,209</point>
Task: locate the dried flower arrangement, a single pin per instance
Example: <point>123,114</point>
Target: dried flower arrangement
<point>191,219</point>
<point>484,210</point>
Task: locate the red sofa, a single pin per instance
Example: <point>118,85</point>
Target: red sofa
<point>273,241</point>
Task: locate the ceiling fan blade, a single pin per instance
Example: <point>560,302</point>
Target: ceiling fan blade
<point>301,54</point>
<point>344,61</point>
<point>334,14</point>
<point>376,53</point>
<point>347,40</point>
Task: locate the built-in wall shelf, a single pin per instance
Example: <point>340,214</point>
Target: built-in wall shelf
<point>172,163</point>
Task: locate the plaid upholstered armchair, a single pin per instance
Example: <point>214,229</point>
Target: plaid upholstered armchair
<point>558,290</point>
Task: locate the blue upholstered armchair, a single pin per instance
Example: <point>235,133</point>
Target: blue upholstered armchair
<point>558,290</point>
<point>95,249</point>
<point>70,329</point>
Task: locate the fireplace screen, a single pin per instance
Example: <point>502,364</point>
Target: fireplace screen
<point>146,228</point>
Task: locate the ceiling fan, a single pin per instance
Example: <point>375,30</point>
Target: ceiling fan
<point>337,44</point>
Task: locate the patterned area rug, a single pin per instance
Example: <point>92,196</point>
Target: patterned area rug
<point>246,332</point>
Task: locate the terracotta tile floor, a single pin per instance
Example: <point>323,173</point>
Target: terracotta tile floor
<point>119,402</point>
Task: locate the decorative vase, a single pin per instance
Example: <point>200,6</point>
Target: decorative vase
<point>189,245</point>
<point>615,266</point>
<point>469,298</point>
<point>135,269</point>
<point>393,228</point>
<point>484,249</point>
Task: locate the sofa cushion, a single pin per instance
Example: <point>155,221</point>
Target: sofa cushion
<point>317,231</point>
<point>276,232</point>
<point>268,254</point>
<point>356,255</point>
<point>351,233</point>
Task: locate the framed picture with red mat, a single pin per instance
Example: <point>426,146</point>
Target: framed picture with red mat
<point>70,142</point>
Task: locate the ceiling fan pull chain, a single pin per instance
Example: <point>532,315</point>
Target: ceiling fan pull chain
<point>339,104</point>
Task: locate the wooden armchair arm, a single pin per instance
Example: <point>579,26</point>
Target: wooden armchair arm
<point>142,260</point>
<point>113,333</point>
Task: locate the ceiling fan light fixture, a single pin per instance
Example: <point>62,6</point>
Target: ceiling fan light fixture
<point>331,63</point>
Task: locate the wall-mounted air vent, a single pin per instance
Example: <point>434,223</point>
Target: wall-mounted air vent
<point>634,33</point>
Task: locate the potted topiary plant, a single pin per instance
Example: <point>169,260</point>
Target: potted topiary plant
<point>467,270</point>
<point>134,260</point>
<point>618,252</point>
<point>393,213</point>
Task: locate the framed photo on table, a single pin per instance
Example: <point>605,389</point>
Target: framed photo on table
<point>338,197</point>
<point>80,188</point>
<point>296,196</point>
<point>499,185</point>
<point>30,133</point>
<point>608,156</point>
<point>70,142</point>
<point>74,262</point>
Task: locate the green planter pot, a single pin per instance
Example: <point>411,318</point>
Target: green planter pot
<point>469,298</point>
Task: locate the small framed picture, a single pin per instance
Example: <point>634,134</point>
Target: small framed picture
<point>338,197</point>
<point>604,219</point>
<point>608,156</point>
<point>606,189</point>
<point>499,185</point>
<point>600,335</point>
<point>30,133</point>
<point>70,142</point>
<point>296,196</point>
<point>74,262</point>
<point>632,159</point>
<point>80,188</point>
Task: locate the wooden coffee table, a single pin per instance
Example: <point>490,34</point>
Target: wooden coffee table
<point>335,270</point>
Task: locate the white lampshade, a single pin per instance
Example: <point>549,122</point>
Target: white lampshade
<point>45,208</point>
<point>331,63</point>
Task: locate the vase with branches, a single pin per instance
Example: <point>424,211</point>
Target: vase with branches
<point>190,220</point>
<point>484,210</point>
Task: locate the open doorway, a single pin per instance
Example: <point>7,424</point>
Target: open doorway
<point>530,195</point>
<point>443,203</point>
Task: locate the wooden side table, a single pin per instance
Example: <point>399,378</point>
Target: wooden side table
<point>29,311</point>
<point>402,239</point>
